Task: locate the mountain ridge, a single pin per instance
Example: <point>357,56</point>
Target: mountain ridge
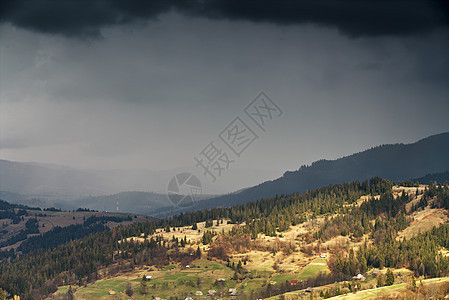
<point>391,161</point>
<point>397,162</point>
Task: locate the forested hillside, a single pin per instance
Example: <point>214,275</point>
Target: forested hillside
<point>371,216</point>
<point>25,228</point>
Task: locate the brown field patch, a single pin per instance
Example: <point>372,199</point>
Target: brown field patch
<point>424,220</point>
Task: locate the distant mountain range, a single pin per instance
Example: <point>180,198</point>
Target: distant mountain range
<point>47,185</point>
<point>129,202</point>
<point>133,202</point>
<point>395,162</point>
<point>439,178</point>
<point>50,181</point>
<point>55,183</point>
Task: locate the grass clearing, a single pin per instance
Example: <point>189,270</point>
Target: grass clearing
<point>172,280</point>
<point>314,268</point>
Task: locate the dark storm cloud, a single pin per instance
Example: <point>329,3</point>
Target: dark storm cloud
<point>77,18</point>
<point>352,17</point>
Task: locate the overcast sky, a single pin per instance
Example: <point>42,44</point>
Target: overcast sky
<point>114,85</point>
